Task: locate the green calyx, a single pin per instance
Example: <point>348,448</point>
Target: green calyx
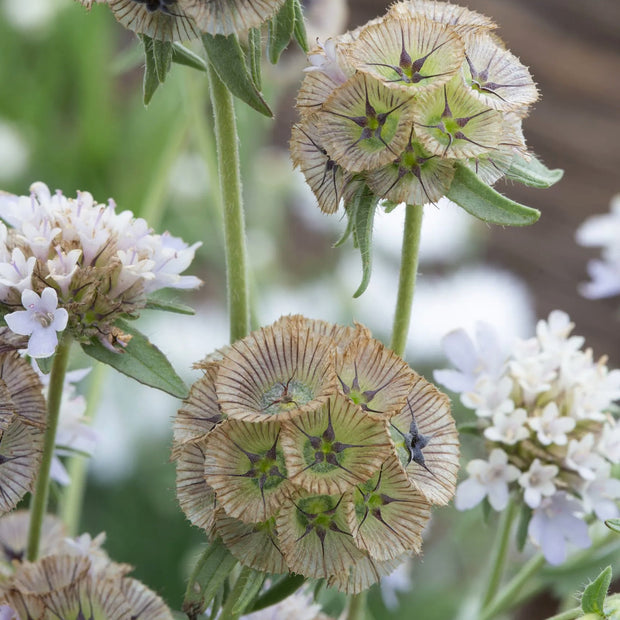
<point>285,396</point>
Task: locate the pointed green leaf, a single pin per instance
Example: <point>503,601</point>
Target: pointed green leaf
<point>350,212</point>
<point>524,522</point>
<point>45,364</point>
<point>162,53</point>
<point>613,525</point>
<point>279,591</point>
<point>593,598</point>
<point>469,428</point>
<point>281,30</point>
<point>300,27</point>
<point>362,232</point>
<point>389,205</point>
<point>151,81</point>
<point>533,172</point>
<point>154,302</point>
<point>243,593</point>
<point>210,573</point>
<point>483,202</point>
<point>255,51</point>
<point>182,56</point>
<point>228,60</point>
<point>141,361</point>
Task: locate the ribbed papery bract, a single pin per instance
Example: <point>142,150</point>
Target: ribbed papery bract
<point>277,371</point>
<point>415,178</point>
<point>253,544</point>
<point>314,536</point>
<point>496,76</point>
<point>461,18</point>
<point>55,572</point>
<point>14,536</point>
<point>365,124</point>
<point>413,55</point>
<point>387,514</point>
<point>21,448</point>
<point>245,465</point>
<point>230,16</point>
<point>427,442</point>
<point>451,122</point>
<point>325,177</point>
<point>492,166</point>
<point>25,388</point>
<point>144,603</point>
<point>174,26</point>
<point>374,377</point>
<point>7,408</point>
<point>316,87</point>
<point>364,573</point>
<point>200,412</point>
<point>331,449</point>
<point>196,497</point>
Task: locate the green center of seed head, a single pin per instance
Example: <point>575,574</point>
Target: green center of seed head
<point>286,395</point>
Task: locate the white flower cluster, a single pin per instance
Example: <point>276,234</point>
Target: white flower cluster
<point>603,231</point>
<point>546,412</point>
<point>94,263</point>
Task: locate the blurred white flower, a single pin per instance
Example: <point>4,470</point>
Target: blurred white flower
<point>397,581</point>
<point>13,152</point>
<point>508,428</point>
<point>600,496</point>
<point>32,15</point>
<point>581,457</point>
<point>537,482</point>
<point>298,606</point>
<point>551,427</point>
<point>554,523</point>
<point>40,320</point>
<point>603,231</point>
<point>487,479</point>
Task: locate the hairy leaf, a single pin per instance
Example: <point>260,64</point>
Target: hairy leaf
<point>593,598</point>
<point>362,234</point>
<point>182,56</point>
<point>154,302</point>
<point>533,172</point>
<point>151,80</point>
<point>300,27</point>
<point>281,29</point>
<point>279,591</point>
<point>162,53</point>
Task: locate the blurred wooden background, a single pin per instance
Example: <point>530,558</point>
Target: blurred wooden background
<point>573,51</point>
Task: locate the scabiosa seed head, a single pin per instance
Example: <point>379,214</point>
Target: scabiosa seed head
<point>457,96</point>
<point>310,447</point>
<point>78,265</point>
<point>545,410</point>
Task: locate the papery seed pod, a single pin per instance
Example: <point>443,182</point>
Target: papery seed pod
<point>427,442</point>
<point>245,465</point>
<point>412,55</point>
<point>386,514</point>
<point>278,371</point>
<point>450,122</point>
<point>230,16</point>
<point>364,124</point>
<point>332,448</point>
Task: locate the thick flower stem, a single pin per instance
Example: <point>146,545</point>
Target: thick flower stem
<point>570,614</point>
<point>230,189</point>
<point>508,595</point>
<point>499,553</point>
<point>73,497</point>
<point>357,606</point>
<point>407,279</point>
<point>39,500</point>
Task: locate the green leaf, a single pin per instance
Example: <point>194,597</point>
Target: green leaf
<point>243,593</point>
<point>210,573</point>
<point>279,591</point>
<point>162,53</point>
<point>533,172</point>
<point>483,202</point>
<point>613,525</point>
<point>255,51</point>
<point>362,234</point>
<point>151,81</point>
<point>593,598</point>
<point>141,361</point>
<point>182,56</point>
<point>154,302</point>
<point>228,60</point>
<point>468,428</point>
<point>389,205</point>
<point>281,29</point>
<point>300,27</point>
<point>45,364</point>
<point>350,211</point>
<point>524,522</point>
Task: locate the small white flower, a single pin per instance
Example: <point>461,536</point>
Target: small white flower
<point>601,494</point>
<point>62,268</point>
<point>490,397</point>
<point>538,482</point>
<point>581,458</point>
<point>41,320</point>
<point>487,479</point>
<point>553,334</point>
<point>326,61</point>
<point>609,443</point>
<point>7,613</point>
<point>508,428</point>
<point>17,272</point>
<point>551,427</point>
<point>397,581</point>
<point>298,606</point>
<point>554,523</point>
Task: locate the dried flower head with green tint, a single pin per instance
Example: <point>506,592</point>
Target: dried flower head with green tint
<point>22,423</point>
<point>397,103</point>
<point>312,448</point>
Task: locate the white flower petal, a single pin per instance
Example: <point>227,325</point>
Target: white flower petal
<point>42,342</point>
<point>20,322</point>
